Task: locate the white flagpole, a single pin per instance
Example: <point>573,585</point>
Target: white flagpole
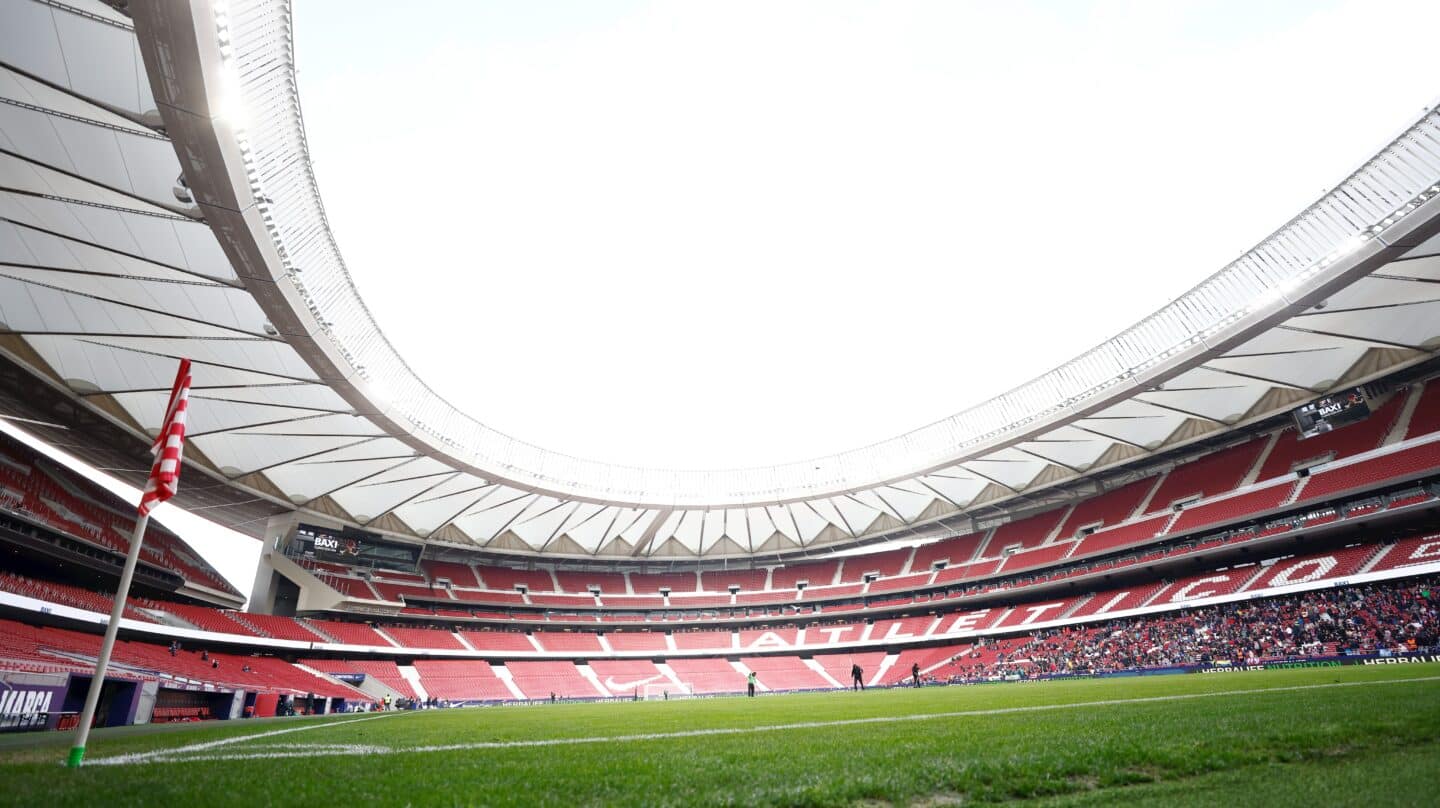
<point>92,699</point>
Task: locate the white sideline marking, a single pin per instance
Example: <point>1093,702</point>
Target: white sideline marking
<point>301,750</point>
<point>141,757</point>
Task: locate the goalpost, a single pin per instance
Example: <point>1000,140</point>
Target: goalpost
<point>658,692</point>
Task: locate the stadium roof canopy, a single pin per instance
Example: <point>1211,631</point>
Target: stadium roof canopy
<point>140,223</point>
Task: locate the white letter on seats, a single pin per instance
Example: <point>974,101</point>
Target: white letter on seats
<point>1035,612</point>
<point>966,622</point>
<point>1185,592</point>
<point>1429,549</point>
<point>834,633</point>
<point>1322,565</point>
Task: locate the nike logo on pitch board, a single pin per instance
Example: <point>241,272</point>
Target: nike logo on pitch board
<point>612,685</point>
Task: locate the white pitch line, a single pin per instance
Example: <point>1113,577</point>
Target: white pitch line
<point>141,757</point>
<point>332,750</point>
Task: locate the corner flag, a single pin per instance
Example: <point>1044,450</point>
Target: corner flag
<point>169,445</point>
<point>163,483</point>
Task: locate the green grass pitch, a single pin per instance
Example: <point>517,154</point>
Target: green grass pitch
<point>1330,736</point>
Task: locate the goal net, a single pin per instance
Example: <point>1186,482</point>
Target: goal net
<point>660,692</point>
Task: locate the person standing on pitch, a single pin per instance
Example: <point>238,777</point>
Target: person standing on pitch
<point>857,677</point>
<point>915,672</point>
<point>750,683</point>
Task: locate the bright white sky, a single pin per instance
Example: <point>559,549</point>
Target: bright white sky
<point>717,234</point>
<point>721,234</point>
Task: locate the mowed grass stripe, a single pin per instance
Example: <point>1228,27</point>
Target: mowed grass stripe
<point>183,754</point>
<point>1146,749</point>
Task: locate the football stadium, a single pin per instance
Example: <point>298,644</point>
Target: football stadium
<point>1192,563</point>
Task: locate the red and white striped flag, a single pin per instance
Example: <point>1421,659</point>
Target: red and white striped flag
<point>169,445</point>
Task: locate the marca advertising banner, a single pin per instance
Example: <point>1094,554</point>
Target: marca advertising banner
<point>29,706</point>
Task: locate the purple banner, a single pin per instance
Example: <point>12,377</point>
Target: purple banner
<point>29,706</point>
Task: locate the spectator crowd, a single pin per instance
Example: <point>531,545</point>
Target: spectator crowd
<point>1381,618</point>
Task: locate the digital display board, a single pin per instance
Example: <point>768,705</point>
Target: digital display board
<point>357,547</point>
<point>1331,412</point>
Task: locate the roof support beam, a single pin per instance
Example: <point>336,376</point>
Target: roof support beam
<point>1371,341</point>
<point>1253,377</point>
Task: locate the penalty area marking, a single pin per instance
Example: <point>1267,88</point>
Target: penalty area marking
<point>142,757</point>
<point>182,754</point>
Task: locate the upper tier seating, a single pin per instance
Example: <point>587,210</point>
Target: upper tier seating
<point>963,572</point>
<point>498,641</point>
<point>55,592</point>
<point>487,597</point>
<point>813,592</point>
<point>1256,501</point>
<point>1110,508</point>
<point>351,587</point>
<point>887,563</point>
<point>636,641</point>
<point>901,583</point>
<point>394,591</point>
<point>424,638</point>
<point>703,640</point>
<point>350,633</point>
<point>954,551</point>
<point>1215,473</point>
<point>1038,557</point>
<point>1125,535</point>
<point>585,601</point>
<point>283,628</point>
<point>609,583</point>
<point>1029,532</point>
<point>818,573</point>
<point>204,617</point>
<point>1426,417</point>
<point>51,494</point>
<point>1290,450</point>
<point>632,601</point>
<point>649,583</point>
<point>1207,514</point>
<point>685,600</point>
<point>569,641</point>
<point>458,574</point>
<point>506,578</point>
<point>748,580</point>
<point>1412,460</point>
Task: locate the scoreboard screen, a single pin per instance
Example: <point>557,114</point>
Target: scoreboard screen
<point>357,547</point>
<point>1331,412</point>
